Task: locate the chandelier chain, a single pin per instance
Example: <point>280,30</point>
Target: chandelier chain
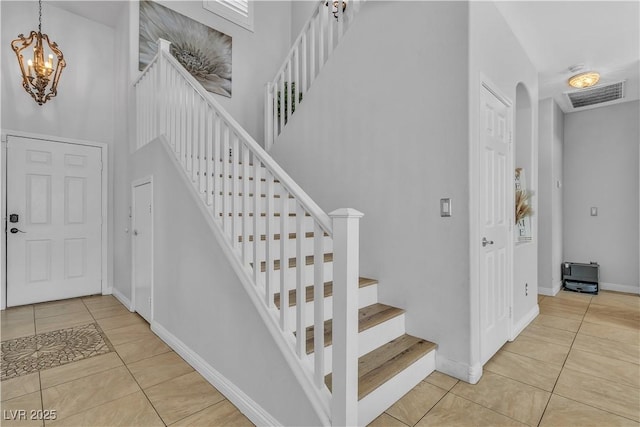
<point>40,16</point>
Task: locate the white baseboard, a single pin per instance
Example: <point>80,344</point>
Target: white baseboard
<point>550,292</point>
<point>524,322</point>
<point>244,403</point>
<point>461,371</point>
<point>619,288</point>
<point>120,297</point>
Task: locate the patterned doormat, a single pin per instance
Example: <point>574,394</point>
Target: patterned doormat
<point>25,355</point>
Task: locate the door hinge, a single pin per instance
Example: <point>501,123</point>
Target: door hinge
<point>149,208</point>
<point>510,312</point>
<point>149,301</point>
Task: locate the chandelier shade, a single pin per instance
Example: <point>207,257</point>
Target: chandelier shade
<point>40,75</point>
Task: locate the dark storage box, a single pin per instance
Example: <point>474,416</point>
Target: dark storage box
<point>579,277</point>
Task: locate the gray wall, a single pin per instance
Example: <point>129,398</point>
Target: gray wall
<point>384,129</point>
<point>601,170</point>
<point>550,204</point>
<point>198,297</point>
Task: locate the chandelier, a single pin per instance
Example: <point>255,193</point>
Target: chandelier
<point>40,73</point>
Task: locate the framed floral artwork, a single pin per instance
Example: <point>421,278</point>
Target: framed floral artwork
<point>523,208</point>
<point>203,51</point>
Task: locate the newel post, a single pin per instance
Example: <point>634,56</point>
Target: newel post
<point>161,90</point>
<point>346,258</point>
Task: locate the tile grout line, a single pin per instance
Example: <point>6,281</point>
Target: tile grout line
<point>132,376</point>
<point>425,414</point>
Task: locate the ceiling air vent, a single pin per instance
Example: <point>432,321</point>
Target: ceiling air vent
<point>597,95</point>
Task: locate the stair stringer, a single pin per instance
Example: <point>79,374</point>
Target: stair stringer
<point>318,398</point>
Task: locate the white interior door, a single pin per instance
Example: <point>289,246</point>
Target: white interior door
<point>143,249</point>
<point>54,229</point>
<point>495,181</point>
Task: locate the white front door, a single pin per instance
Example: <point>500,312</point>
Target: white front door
<point>143,249</point>
<point>54,214</point>
<point>495,181</point>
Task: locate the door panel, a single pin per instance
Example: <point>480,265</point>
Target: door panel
<point>495,181</point>
<point>56,189</point>
<point>143,249</point>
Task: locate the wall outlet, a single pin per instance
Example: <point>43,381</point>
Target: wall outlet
<point>594,211</point>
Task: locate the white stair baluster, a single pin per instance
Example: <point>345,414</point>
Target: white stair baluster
<point>318,304</point>
<point>284,254</point>
<point>301,294</point>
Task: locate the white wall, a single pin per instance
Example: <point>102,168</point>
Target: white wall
<point>198,298</point>
<point>551,132</point>
<point>122,180</point>
<point>383,130</point>
<point>301,11</point>
<point>84,106</point>
<point>256,56</point>
<point>497,57</point>
<point>601,170</point>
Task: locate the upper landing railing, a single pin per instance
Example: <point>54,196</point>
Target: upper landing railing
<point>319,37</point>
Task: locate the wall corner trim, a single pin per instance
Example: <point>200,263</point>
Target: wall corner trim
<point>525,321</point>
<point>244,403</point>
<point>552,291</point>
<point>462,371</point>
<point>123,299</point>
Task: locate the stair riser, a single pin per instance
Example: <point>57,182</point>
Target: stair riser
<point>307,247</point>
<point>376,402</point>
<point>262,207</point>
<point>290,275</point>
<point>307,225</point>
<point>370,339</point>
<point>366,296</point>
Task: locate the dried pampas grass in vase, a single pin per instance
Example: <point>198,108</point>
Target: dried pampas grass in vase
<point>522,204</point>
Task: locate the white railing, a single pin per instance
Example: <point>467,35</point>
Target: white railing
<point>319,37</point>
<point>272,227</point>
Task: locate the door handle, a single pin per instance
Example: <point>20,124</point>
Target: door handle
<point>15,230</point>
<point>486,242</point>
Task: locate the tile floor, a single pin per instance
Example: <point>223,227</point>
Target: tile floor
<point>577,364</point>
<point>97,364</point>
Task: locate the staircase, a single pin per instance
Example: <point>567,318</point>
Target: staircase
<point>299,265</point>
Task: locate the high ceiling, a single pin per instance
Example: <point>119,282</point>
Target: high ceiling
<point>104,12</point>
<point>602,35</point>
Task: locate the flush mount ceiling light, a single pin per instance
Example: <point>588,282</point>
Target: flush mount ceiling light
<point>584,80</point>
<point>38,74</point>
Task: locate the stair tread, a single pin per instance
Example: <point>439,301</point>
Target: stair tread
<point>328,291</point>
<point>380,365</point>
<point>368,317</point>
<point>328,257</point>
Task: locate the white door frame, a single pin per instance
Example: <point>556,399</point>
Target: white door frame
<point>104,152</point>
<point>475,368</point>
<point>136,183</point>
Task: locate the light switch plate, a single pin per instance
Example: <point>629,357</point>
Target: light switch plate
<point>445,207</point>
<point>594,211</point>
